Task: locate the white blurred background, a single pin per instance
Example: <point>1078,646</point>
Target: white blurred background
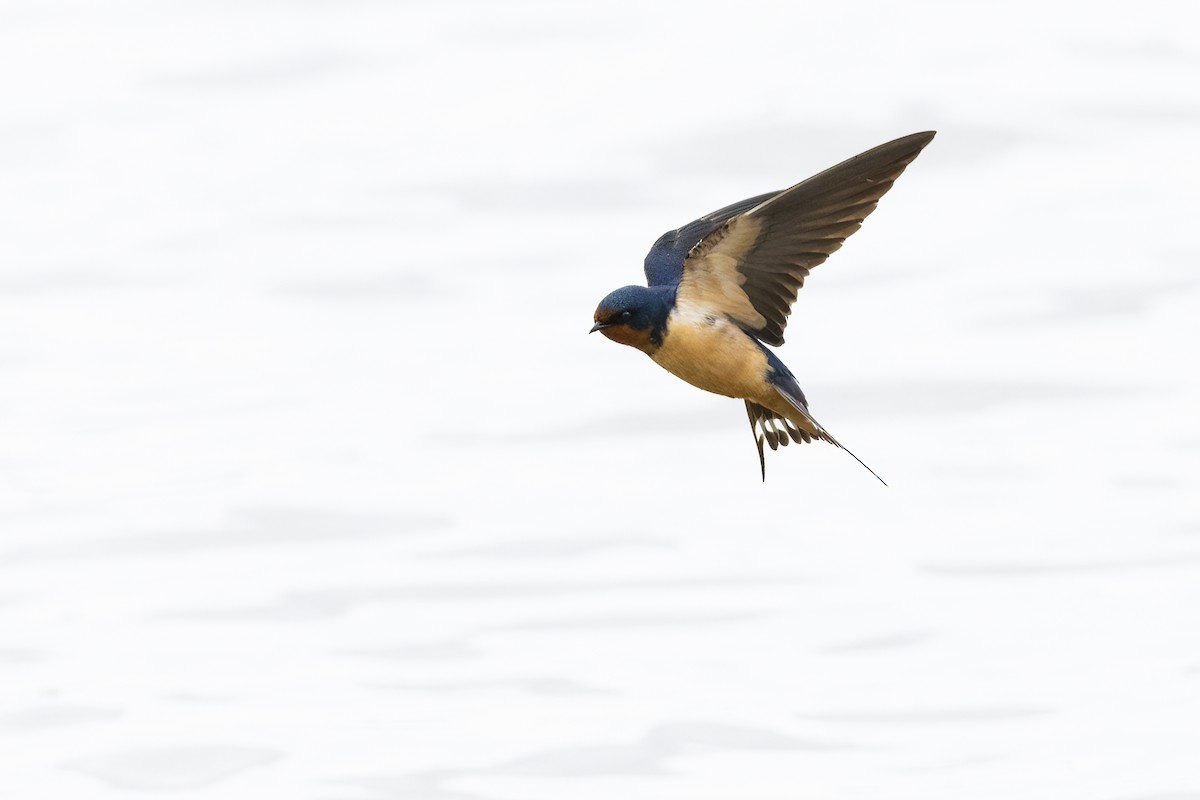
<point>312,484</point>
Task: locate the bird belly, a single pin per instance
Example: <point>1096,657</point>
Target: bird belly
<point>713,354</point>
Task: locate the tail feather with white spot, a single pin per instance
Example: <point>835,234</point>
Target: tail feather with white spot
<point>777,431</point>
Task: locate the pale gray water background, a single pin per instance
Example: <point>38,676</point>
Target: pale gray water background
<point>312,485</point>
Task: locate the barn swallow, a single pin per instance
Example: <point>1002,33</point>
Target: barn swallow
<point>721,288</point>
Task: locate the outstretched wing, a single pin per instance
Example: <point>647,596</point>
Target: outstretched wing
<point>749,263</point>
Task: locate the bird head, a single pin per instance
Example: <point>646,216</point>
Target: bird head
<point>632,315</point>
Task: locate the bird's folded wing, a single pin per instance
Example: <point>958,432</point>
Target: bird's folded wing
<point>750,265</point>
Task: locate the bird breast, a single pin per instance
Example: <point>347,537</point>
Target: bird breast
<point>710,352</point>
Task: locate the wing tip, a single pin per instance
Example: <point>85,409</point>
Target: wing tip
<point>910,146</point>
<point>923,137</point>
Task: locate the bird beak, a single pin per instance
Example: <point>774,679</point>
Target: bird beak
<point>598,326</point>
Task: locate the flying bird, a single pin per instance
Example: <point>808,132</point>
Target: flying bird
<point>721,288</point>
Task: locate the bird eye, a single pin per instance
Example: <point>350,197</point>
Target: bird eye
<point>626,314</point>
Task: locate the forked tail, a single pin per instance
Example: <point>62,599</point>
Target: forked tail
<point>776,431</point>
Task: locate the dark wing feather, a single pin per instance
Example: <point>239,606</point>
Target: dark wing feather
<point>752,265</point>
<point>664,262</point>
